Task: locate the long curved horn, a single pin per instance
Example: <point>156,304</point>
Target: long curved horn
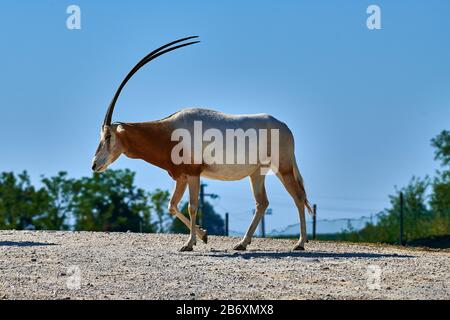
<point>149,57</point>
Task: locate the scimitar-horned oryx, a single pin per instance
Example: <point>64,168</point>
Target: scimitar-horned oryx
<point>157,142</point>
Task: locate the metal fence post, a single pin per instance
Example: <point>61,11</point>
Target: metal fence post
<point>314,221</point>
<point>227,230</point>
<point>401,218</point>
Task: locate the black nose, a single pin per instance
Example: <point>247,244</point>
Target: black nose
<point>93,166</point>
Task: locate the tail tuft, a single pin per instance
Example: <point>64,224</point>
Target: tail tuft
<point>299,178</point>
<point>308,207</point>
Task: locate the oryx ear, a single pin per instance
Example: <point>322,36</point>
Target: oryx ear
<point>120,129</point>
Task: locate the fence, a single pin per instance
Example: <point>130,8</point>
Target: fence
<point>323,226</point>
<point>327,226</point>
<point>406,224</point>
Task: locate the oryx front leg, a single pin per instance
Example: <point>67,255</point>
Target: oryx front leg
<point>194,187</point>
<point>259,192</point>
<point>177,194</point>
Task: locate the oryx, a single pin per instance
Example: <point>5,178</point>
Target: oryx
<point>156,141</point>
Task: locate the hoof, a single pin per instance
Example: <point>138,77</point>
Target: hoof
<point>205,236</point>
<point>299,248</point>
<point>240,247</point>
<point>186,248</point>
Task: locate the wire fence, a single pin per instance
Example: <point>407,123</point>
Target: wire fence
<point>409,220</point>
<point>323,226</point>
<point>366,207</point>
<point>328,226</point>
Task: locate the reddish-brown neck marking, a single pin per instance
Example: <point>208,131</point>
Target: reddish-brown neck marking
<point>151,142</point>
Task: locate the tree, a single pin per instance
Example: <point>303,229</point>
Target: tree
<point>20,203</point>
<point>415,213</point>
<point>58,192</point>
<point>424,215</point>
<point>440,198</point>
<point>111,202</point>
<point>159,200</point>
<point>213,222</point>
<point>441,144</point>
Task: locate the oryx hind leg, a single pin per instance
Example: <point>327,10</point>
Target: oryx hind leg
<point>177,194</point>
<point>297,193</point>
<point>259,193</point>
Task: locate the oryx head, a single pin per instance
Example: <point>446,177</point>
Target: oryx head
<point>110,147</point>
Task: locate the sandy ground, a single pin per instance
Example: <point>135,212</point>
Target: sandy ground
<point>95,265</point>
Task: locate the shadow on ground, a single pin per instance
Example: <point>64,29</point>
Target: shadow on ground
<point>24,244</point>
<point>305,254</point>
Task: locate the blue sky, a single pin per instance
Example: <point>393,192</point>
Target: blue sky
<point>363,105</point>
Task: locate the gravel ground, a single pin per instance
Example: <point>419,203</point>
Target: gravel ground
<point>97,265</point>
